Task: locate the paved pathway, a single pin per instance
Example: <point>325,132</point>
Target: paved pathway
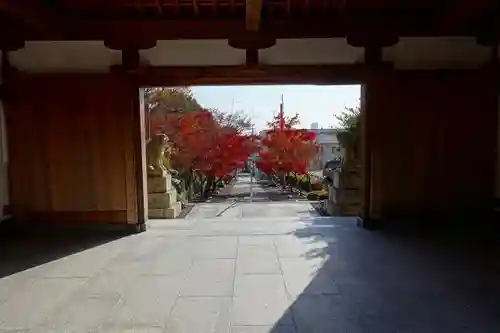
<point>257,268</point>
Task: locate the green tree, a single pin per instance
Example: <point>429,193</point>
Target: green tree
<point>238,121</point>
<point>164,100</point>
<point>350,118</point>
<point>349,130</point>
<point>289,122</point>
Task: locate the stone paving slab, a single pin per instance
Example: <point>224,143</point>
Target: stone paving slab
<point>286,274</point>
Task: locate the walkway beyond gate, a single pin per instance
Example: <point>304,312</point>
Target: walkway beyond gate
<point>263,267</point>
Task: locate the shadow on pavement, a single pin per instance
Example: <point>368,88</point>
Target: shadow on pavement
<point>395,281</point>
<point>24,248</point>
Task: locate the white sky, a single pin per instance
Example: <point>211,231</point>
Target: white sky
<point>314,103</point>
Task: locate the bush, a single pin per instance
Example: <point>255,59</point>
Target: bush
<point>291,180</point>
<point>317,186</point>
<point>311,196</point>
<point>317,195</point>
<point>181,197</point>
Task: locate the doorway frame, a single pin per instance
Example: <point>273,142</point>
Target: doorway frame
<point>341,74</point>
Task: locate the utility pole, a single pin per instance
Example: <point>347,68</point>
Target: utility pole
<point>252,169</point>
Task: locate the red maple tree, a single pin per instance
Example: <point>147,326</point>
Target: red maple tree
<point>203,146</point>
<point>286,150</point>
<point>228,152</point>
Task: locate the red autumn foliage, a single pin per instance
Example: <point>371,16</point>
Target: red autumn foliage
<point>287,150</point>
<point>228,152</point>
<point>201,144</point>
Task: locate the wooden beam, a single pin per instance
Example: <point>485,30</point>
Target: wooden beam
<point>371,30</point>
<point>458,12</point>
<point>292,27</point>
<point>264,74</point>
<point>43,24</point>
<point>373,55</point>
<point>253,11</point>
<point>33,15</point>
<point>7,76</point>
<point>252,58</point>
<point>130,59</point>
<point>495,66</point>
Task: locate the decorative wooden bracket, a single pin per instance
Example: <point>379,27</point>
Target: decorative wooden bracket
<point>7,43</point>
<point>367,31</point>
<point>489,35</point>
<point>252,58</point>
<point>122,43</point>
<point>253,11</point>
<point>7,72</point>
<point>251,40</point>
<point>131,59</point>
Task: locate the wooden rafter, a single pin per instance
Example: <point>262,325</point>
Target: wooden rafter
<point>253,15</point>
<point>93,19</point>
<point>282,74</point>
<point>30,14</point>
<point>460,11</point>
<point>196,9</point>
<point>159,6</point>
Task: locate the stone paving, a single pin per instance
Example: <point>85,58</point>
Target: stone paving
<point>196,275</point>
<point>260,267</point>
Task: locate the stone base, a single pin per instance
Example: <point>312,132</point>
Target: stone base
<point>334,209</point>
<point>162,200</point>
<point>157,173</point>
<point>159,184</point>
<point>165,213</point>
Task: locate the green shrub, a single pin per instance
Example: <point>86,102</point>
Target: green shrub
<point>311,196</point>
<point>317,186</point>
<point>304,184</point>
<point>291,180</point>
<point>181,197</point>
<point>323,195</point>
<point>317,195</point>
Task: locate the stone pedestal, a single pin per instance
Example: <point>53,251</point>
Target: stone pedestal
<point>162,197</point>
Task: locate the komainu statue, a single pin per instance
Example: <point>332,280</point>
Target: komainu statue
<point>158,154</point>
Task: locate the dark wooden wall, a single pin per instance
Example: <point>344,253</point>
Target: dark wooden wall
<point>433,143</point>
<point>72,152</point>
<point>75,153</point>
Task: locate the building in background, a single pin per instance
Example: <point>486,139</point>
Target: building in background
<point>329,147</point>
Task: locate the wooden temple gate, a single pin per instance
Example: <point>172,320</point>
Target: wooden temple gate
<point>72,72</point>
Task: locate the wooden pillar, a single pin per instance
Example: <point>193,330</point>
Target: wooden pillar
<point>489,35</point>
<point>4,195</point>
<point>360,36</point>
<point>140,155</point>
<point>372,60</point>
<point>7,73</point>
<point>129,69</point>
<point>495,70</point>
